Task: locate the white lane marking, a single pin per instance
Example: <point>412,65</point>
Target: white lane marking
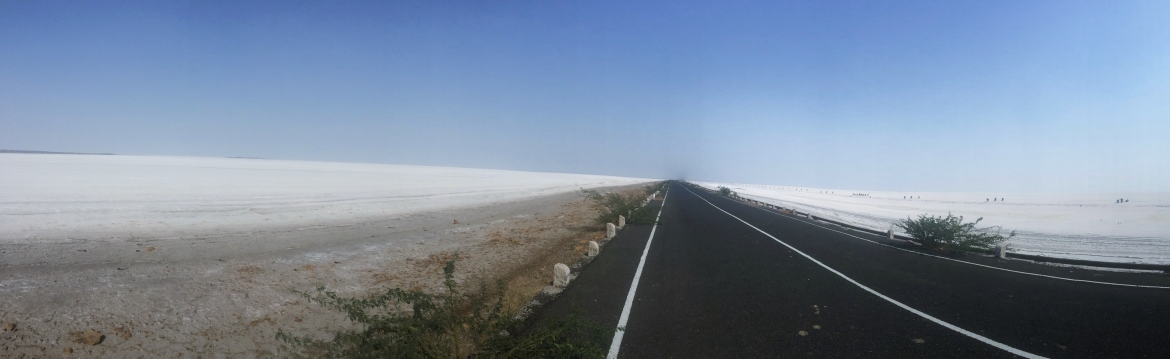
<point>874,292</point>
<point>966,262</point>
<point>616,344</point>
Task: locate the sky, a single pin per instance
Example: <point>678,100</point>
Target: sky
<point>1021,96</point>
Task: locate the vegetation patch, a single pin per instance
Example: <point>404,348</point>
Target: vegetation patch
<point>951,234</point>
<point>453,324</point>
<point>628,203</point>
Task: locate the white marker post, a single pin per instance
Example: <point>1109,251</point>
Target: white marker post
<point>621,222</point>
<point>593,249</point>
<point>610,231</point>
<point>560,275</point>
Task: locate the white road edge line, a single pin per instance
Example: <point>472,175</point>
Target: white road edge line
<point>971,263</point>
<point>616,344</point>
<point>874,292</point>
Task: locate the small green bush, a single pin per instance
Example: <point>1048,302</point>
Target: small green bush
<point>724,191</point>
<point>951,234</point>
<point>414,324</point>
<point>651,188</point>
<point>611,205</point>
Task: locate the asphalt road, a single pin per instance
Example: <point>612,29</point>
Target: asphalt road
<point>720,281</point>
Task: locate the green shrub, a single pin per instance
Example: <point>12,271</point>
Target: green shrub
<point>611,205</point>
<point>415,324</point>
<point>951,234</point>
<point>655,187</point>
<point>724,191</point>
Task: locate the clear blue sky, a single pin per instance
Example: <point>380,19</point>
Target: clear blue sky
<point>914,95</point>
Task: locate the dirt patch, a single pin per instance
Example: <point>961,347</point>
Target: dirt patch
<point>88,337</point>
<point>532,247</point>
<point>123,332</point>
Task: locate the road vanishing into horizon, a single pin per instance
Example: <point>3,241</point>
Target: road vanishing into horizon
<point>718,278</point>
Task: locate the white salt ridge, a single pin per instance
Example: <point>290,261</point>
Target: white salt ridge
<point>65,198</point>
<point>1068,225</point>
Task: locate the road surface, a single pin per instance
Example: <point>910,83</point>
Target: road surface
<point>722,279</point>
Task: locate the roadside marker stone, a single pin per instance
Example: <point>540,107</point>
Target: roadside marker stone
<point>621,222</point>
<point>1001,252</point>
<point>610,231</point>
<point>560,275</point>
<point>891,232</point>
<point>593,249</point>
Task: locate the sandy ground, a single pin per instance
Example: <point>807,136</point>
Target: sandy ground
<point>212,298</point>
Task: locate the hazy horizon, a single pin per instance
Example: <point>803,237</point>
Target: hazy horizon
<point>891,95</point>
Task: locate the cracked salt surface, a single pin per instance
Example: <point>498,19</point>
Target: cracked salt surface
<point>1068,225</point>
